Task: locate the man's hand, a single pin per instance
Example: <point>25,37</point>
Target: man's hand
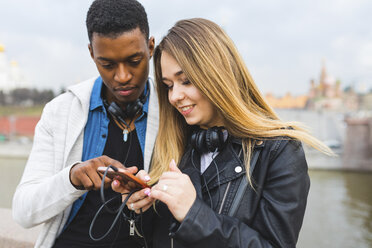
<point>85,175</point>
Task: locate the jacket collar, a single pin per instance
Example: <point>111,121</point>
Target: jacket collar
<point>95,98</point>
<point>83,92</point>
<point>227,165</point>
<point>238,141</point>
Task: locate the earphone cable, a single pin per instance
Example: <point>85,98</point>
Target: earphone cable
<point>118,211</point>
<point>205,182</point>
<point>102,193</point>
<point>218,176</point>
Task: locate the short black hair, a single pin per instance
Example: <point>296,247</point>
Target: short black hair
<point>114,17</point>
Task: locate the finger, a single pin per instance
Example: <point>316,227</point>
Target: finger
<point>140,199</point>
<point>170,175</point>
<point>162,196</point>
<point>143,203</point>
<point>118,187</point>
<point>132,169</point>
<point>106,185</point>
<point>144,208</point>
<point>166,186</point>
<point>86,182</point>
<point>143,175</point>
<point>94,176</point>
<point>107,181</point>
<point>173,167</point>
<point>126,187</point>
<point>117,164</point>
<point>174,186</point>
<point>106,161</point>
<point>139,195</point>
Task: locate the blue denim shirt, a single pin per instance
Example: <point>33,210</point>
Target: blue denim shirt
<point>96,131</point>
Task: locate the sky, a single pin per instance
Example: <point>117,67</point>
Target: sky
<point>284,43</point>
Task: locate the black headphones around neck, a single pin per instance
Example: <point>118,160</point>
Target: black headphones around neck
<point>132,109</point>
<point>207,140</point>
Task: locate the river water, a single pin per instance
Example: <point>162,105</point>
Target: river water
<point>339,209</point>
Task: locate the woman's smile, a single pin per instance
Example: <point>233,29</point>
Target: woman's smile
<point>185,110</point>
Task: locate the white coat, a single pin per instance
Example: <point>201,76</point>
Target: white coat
<point>45,194</point>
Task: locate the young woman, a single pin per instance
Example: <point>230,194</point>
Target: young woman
<point>241,179</point>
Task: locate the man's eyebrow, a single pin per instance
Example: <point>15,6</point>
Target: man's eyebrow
<point>105,59</point>
<point>129,57</point>
<point>135,55</point>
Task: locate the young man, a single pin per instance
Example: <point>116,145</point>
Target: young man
<point>56,189</point>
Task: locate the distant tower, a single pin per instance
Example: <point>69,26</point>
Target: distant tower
<point>3,68</point>
<point>10,74</point>
<point>327,83</point>
<point>313,90</point>
<point>323,75</point>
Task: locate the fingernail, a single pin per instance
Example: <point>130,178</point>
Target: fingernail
<point>147,178</point>
<point>173,162</point>
<point>116,183</point>
<point>147,192</point>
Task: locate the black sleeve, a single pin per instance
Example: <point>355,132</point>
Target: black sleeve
<point>279,215</point>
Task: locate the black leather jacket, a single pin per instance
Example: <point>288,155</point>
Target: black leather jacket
<point>270,215</point>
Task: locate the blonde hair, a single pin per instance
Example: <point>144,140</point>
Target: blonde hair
<point>210,60</point>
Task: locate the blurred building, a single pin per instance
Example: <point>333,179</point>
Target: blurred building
<point>324,94</point>
<point>366,101</point>
<point>287,102</point>
<point>10,74</point>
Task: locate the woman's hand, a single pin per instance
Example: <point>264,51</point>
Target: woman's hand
<point>138,199</point>
<point>176,190</point>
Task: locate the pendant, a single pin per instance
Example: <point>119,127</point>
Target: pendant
<point>125,135</point>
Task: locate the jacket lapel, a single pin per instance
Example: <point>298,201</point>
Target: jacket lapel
<point>77,118</point>
<point>192,169</point>
<point>226,167</point>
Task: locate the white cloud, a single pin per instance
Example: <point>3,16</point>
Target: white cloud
<point>365,56</point>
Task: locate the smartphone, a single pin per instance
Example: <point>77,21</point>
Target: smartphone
<point>125,177</point>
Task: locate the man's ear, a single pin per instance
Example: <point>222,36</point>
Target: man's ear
<point>91,51</point>
<point>151,45</point>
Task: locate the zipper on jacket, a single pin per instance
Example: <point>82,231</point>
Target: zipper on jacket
<point>224,197</point>
<point>227,189</point>
<point>131,227</point>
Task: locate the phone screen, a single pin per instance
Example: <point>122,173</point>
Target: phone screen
<point>126,178</point>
